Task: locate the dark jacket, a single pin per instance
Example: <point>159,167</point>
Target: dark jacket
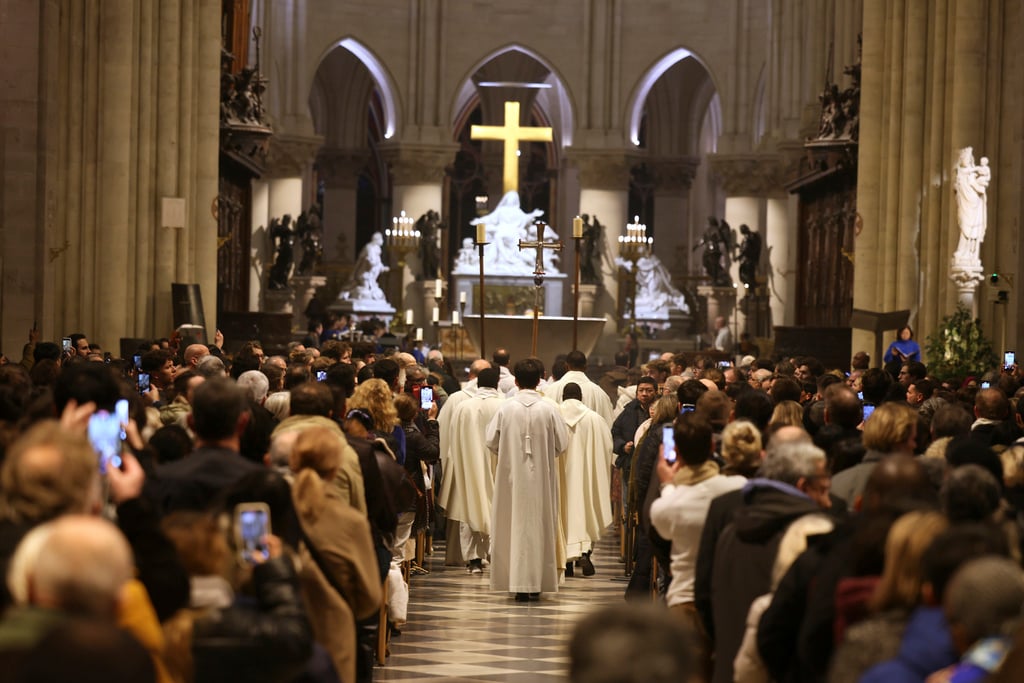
<point>270,640</point>
<point>925,648</point>
<point>744,556</point>
<point>193,482</point>
<point>623,429</point>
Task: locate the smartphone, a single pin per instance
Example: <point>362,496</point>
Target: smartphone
<point>668,443</point>
<point>137,359</point>
<point>321,375</point>
<point>121,412</point>
<point>687,408</point>
<point>426,397</point>
<point>868,409</point>
<point>105,436</point>
<point>65,344</point>
<point>860,395</point>
<point>143,382</point>
<point>1009,359</point>
<point>724,364</point>
<point>986,385</point>
<point>252,526</point>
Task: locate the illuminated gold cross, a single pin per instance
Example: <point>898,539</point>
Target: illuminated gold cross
<point>511,134</point>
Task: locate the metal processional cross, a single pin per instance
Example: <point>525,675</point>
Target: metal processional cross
<point>538,275</point>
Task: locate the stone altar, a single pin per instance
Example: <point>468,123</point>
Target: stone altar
<point>511,294</point>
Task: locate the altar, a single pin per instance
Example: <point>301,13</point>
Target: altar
<point>515,333</point>
<point>510,295</point>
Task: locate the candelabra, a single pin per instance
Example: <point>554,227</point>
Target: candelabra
<point>633,246</point>
<point>481,242</point>
<point>401,240</point>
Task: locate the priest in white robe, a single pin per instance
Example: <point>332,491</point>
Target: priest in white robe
<point>594,397</point>
<point>467,483</point>
<point>528,434</point>
<point>585,490</point>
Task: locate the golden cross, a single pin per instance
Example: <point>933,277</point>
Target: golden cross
<point>540,246</point>
<point>511,134</point>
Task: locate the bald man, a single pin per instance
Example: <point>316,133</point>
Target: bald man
<point>193,354</point>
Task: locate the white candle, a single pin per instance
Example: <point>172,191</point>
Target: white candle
<point>462,297</point>
<point>408,316</point>
<point>437,289</point>
<point>577,227</point>
<point>419,334</point>
<point>455,318</point>
<point>437,316</point>
<point>481,233</point>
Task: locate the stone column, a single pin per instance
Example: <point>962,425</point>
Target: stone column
<point>339,170</point>
<point>604,194</point>
<point>671,226</point>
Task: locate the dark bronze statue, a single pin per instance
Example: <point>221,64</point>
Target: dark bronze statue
<point>749,256</point>
<point>282,239</point>
<point>307,230</point>
<point>590,255</point>
<point>716,242</point>
<point>429,225</point>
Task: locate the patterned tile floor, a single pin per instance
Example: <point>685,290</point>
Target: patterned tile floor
<point>459,630</point>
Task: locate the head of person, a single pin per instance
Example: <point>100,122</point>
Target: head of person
<point>786,413</point>
<point>785,389</point>
<point>970,494</point>
<point>528,372</point>
<point>487,378</point>
<point>576,360</point>
<point>159,365</point>
<point>741,447</point>
<point>256,385</point>
<point>694,442</point>
<point>951,420</point>
<point>984,600</point>
<point>501,357</point>
<point>875,383</point>
<point>906,333</point>
<point>920,391</point>
<point>374,397</point>
<point>991,404</point>
<point>954,547</point>
<point>646,390</point>
<point>802,465</point>
<point>318,449</point>
<point>48,472</point>
<point>311,398</point>
<point>388,370</point>
<point>571,391</point>
<point>80,344</point>
<point>842,407</point>
<point>479,365</point>
<point>912,371</point>
<point>714,406</point>
<point>358,423</point>
<point>220,410</point>
<point>902,578</point>
<point>892,428</point>
<point>756,406</point>
<point>210,367</point>
<point>860,361</point>
<point>897,484</point>
<point>688,393</point>
<point>201,545</point>
<point>407,408</point>
<point>194,353</point>
<point>81,567</point>
<point>630,643</point>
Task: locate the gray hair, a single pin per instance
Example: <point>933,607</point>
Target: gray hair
<point>792,461</point>
<point>985,597</point>
<point>210,367</point>
<point>255,384</point>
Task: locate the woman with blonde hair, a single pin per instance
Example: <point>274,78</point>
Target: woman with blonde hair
<point>741,448</point>
<point>786,414</point>
<point>375,398</point>
<point>339,576</point>
<point>898,592</point>
<point>890,429</point>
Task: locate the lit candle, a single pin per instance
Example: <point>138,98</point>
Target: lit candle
<point>455,318</point>
<point>462,297</point>
<point>437,316</point>
<point>577,227</point>
<point>437,289</point>
<point>419,334</point>
<point>481,233</point>
<point>408,316</point>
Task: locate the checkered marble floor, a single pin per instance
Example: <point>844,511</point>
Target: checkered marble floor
<point>458,630</point>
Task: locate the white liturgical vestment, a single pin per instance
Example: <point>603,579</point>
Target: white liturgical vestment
<point>528,434</point>
<point>586,504</point>
<point>594,397</point>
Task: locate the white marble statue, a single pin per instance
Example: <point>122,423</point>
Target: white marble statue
<point>655,294</point>
<point>362,285</point>
<point>971,184</point>
<point>505,226</point>
<point>467,260</point>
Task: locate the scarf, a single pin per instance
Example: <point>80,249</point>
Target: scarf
<point>690,476</point>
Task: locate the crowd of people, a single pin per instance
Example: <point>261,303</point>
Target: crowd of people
<point>779,520</point>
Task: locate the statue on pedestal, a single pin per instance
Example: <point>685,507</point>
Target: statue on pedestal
<point>307,229</point>
<point>590,263</point>
<point>716,242</point>
<point>749,256</point>
<point>362,285</point>
<point>429,225</point>
<point>505,226</point>
<point>282,239</point>
<point>655,294</point>
<point>970,186</point>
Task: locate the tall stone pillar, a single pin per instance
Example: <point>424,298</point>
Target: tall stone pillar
<point>604,194</point>
<point>339,170</point>
<point>671,225</point>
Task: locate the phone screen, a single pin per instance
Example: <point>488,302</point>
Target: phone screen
<point>121,412</point>
<point>426,397</point>
<point>868,409</point>
<point>252,524</point>
<point>1009,359</point>
<point>986,385</point>
<point>65,344</point>
<point>668,442</point>
<point>143,382</point>
<point>137,359</point>
<point>321,375</point>
<point>724,364</point>
<point>105,436</point>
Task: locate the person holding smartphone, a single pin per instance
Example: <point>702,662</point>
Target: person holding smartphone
<point>689,480</point>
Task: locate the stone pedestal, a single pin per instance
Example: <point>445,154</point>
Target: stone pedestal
<point>279,301</point>
<point>966,272</point>
<point>587,295</point>
<point>721,301</point>
<point>303,287</point>
<point>757,312</point>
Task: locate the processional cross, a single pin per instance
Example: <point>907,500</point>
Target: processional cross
<point>538,275</point>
